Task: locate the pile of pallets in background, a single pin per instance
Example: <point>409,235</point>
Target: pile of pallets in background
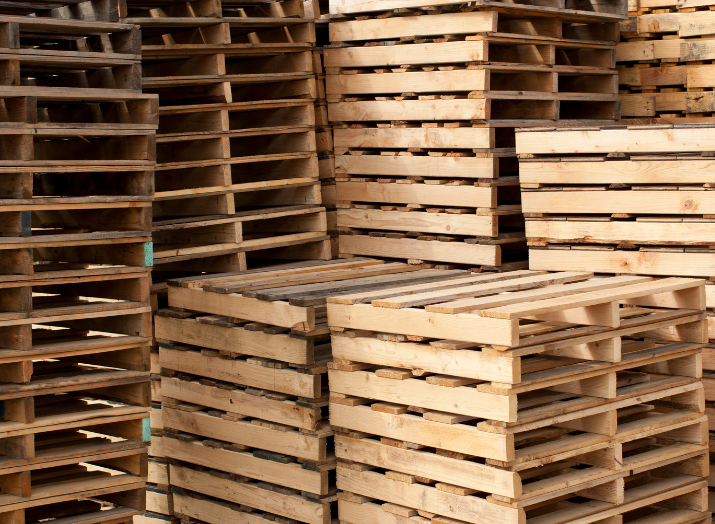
<point>245,396</point>
<point>624,200</point>
<point>665,61</point>
<point>237,158</point>
<point>521,397</point>
<point>424,97</point>
<point>76,163</point>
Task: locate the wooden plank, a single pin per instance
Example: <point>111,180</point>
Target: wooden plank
<point>419,221</point>
<point>287,380</point>
<point>429,465</point>
<point>409,355</point>
<point>461,438</point>
<point>426,498</point>
<point>274,313</point>
<point>617,140</point>
<point>413,54</point>
<point>283,412</point>
<point>387,28</point>
<point>657,171</point>
<point>243,463</point>
<point>615,232</point>
<point>592,298</point>
<point>459,80</point>
<point>366,297</point>
<point>298,282</point>
<point>257,343</point>
<point>243,432</point>
<point>249,494</point>
<point>424,166</point>
<point>289,270</point>
<point>474,304</point>
<point>406,248</point>
<point>461,400</point>
<point>462,196</point>
<point>424,137</point>
<point>640,202</point>
<point>480,289</point>
<point>463,326</point>
<point>422,110</point>
<point>635,262</point>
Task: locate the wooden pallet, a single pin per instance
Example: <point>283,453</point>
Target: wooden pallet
<point>445,80</point>
<point>210,496</point>
<point>672,80</point>
<point>655,500</point>
<point>567,446</point>
<point>432,95</point>
<point>653,200</point>
<point>71,493</point>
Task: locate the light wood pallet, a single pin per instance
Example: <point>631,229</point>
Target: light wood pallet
<point>640,203</point>
<point>665,62</point>
<point>433,194</point>
<point>406,439</point>
<point>246,393</point>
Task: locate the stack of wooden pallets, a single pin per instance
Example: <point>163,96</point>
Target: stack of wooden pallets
<point>628,200</point>
<point>424,97</point>
<point>245,394</point>
<point>237,157</point>
<point>521,397</point>
<point>665,61</point>
<point>76,163</point>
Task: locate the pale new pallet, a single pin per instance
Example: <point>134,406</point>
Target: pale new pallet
<point>640,204</point>
<point>629,424</point>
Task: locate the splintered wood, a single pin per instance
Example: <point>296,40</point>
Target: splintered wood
<point>237,154</point>
<point>424,98</point>
<point>77,155</point>
<point>520,396</point>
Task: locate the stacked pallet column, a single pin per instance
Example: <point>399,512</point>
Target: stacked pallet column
<point>245,394</point>
<point>237,159</point>
<point>521,397</point>
<point>424,98</point>
<point>626,200</point>
<point>664,61</point>
<point>76,163</point>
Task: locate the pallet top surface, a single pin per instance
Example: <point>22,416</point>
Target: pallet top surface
<point>399,298</point>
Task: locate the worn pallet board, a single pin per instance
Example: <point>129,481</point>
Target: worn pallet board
<point>214,499</point>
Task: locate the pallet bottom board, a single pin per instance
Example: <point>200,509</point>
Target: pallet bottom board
<point>617,261</point>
